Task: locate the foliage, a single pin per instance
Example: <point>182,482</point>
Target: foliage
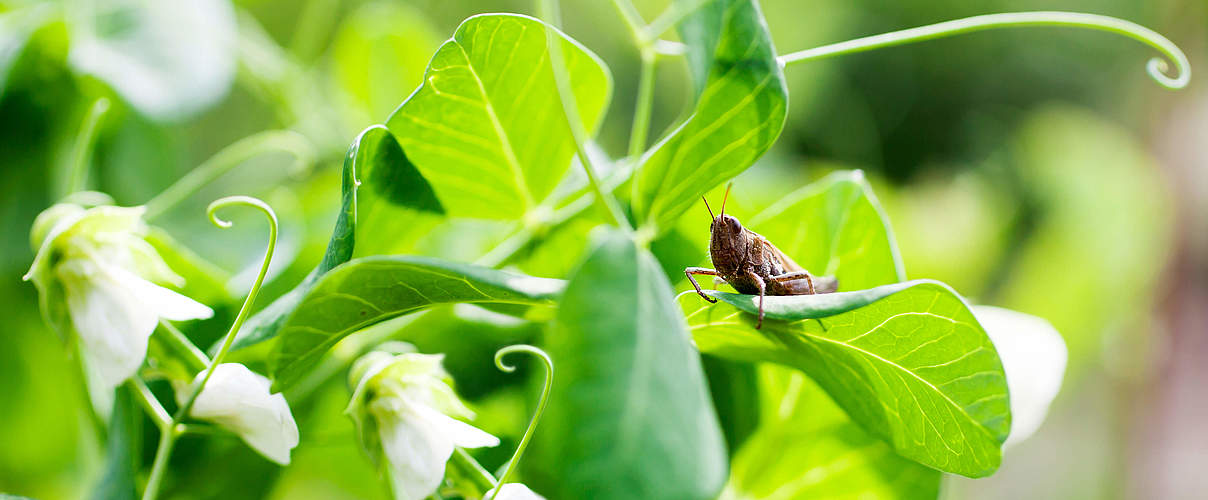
<point>484,211</point>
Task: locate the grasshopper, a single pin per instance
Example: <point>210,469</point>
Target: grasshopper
<point>752,264</point>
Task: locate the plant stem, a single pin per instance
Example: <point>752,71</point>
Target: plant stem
<point>643,106</point>
<point>230,157</point>
<point>196,359</point>
<point>570,110</point>
<point>1156,66</point>
<point>472,470</point>
<point>81,153</point>
<point>167,439</point>
<point>154,409</point>
<point>670,17</point>
<point>631,16</point>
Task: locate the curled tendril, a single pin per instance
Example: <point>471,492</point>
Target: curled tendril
<point>212,213</point>
<point>541,403</point>
<point>1157,67</point>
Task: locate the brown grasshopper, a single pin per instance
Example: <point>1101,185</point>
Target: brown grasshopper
<point>752,264</point>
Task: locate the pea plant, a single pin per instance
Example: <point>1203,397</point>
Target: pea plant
<point>644,389</point>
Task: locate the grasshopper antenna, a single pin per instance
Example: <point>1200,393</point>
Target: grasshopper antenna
<point>723,200</point>
<point>702,198</point>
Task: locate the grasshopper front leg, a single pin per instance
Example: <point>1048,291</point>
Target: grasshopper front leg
<point>700,270</point>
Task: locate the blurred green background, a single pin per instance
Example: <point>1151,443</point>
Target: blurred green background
<point>1035,169</point>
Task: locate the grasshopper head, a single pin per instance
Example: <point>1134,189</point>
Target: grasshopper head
<point>726,236</point>
<point>728,242</point>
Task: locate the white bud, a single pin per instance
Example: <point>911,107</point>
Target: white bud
<point>238,400</point>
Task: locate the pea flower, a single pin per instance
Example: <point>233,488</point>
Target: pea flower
<point>96,273</point>
<point>238,400</point>
<point>513,491</point>
<point>404,410</point>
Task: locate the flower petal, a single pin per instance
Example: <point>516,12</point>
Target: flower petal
<point>112,323</point>
<point>239,400</point>
<point>461,433</point>
<point>164,303</point>
<point>1034,357</point>
<point>513,491</point>
<point>416,451</point>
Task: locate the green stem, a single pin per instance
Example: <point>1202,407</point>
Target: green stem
<point>472,470</point>
<point>196,359</point>
<point>230,157</point>
<point>81,154</point>
<point>152,406</point>
<point>643,106</point>
<point>570,110</point>
<point>541,403</point>
<point>632,18</point>
<point>670,17</point>
<point>582,200</point>
<point>1156,66</point>
<point>167,439</point>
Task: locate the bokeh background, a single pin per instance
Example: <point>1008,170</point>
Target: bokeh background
<point>1036,169</point>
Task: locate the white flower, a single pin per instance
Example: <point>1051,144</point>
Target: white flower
<point>239,400</point>
<point>169,60</point>
<point>402,406</point>
<point>513,491</point>
<point>96,264</point>
<point>1033,356</point>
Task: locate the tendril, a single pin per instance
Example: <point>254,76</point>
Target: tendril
<point>1157,67</point>
<point>212,212</point>
<point>541,403</point>
<point>81,154</point>
<point>172,429</point>
<point>230,157</point>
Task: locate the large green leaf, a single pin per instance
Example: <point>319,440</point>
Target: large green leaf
<point>630,415</point>
<point>487,126</point>
<point>369,290</point>
<point>123,449</point>
<point>740,109</point>
<point>908,362</point>
<point>809,448</point>
<point>382,190</point>
<point>835,227</point>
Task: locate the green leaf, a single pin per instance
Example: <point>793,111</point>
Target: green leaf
<point>809,448</point>
<point>370,290</point>
<point>378,54</point>
<point>486,127</point>
<point>630,415</point>
<point>17,27</point>
<point>123,449</point>
<point>908,362</point>
<point>380,188</point>
<point>735,390</point>
<point>835,227</point>
<point>740,110</point>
